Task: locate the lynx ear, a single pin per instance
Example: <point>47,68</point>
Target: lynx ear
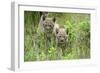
<point>54,19</point>
<point>67,31</point>
<point>43,18</point>
<point>57,30</point>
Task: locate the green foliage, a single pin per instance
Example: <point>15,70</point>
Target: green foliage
<point>78,45</point>
<point>52,53</point>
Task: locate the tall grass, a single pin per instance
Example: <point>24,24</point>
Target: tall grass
<point>78,45</point>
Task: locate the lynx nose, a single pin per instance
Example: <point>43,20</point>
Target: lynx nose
<point>62,40</point>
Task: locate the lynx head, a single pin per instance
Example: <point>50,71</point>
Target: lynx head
<point>61,35</point>
<point>48,24</point>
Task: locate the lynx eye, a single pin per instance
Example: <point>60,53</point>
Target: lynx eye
<point>50,25</point>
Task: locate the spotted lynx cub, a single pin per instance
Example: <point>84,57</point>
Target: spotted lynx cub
<point>44,35</point>
<point>61,41</point>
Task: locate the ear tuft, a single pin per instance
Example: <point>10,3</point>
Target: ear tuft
<point>54,19</point>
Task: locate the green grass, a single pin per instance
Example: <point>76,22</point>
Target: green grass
<point>78,46</point>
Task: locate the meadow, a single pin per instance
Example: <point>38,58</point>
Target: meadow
<point>78,45</point>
